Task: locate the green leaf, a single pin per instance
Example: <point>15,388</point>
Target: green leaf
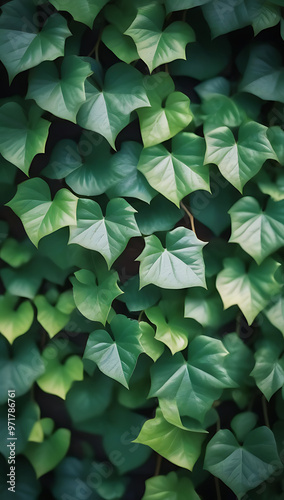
<point>250,289</point>
<point>14,321</point>
<point>107,109</point>
<point>138,300</point>
<point>242,468</point>
<point>154,44</point>
<point>177,173</point>
<point>174,5</point>
<point>168,114</point>
<point>47,455</point>
<point>129,181</point>
<point>61,93</point>
<point>268,16</point>
<point>259,232</point>
<point>268,371</point>
<point>240,160</point>
<point>275,312</point>
<point>116,357</point>
<point>201,378</point>
<point>20,366</point>
<point>112,231</point>
<point>54,318</point>
<point>180,447</point>
<point>28,488</point>
<point>85,12</point>
<point>94,295</point>
<point>16,253</point>
<point>223,18</point>
<point>58,378</point>
<point>121,45</point>
<point>160,215</point>
<point>151,346</point>
<point>23,44</point>
<point>26,416</point>
<point>243,423</point>
<point>274,188</point>
<point>205,307</point>
<point>172,329</point>
<point>23,133</point>
<point>179,265</point>
<point>239,361</point>
<point>38,213</point>
<point>264,74</point>
<point>170,486</point>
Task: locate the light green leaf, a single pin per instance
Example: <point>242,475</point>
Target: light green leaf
<point>156,45</point>
<point>170,486</point>
<point>94,295</point>
<point>107,110</point>
<point>259,232</point>
<point>172,329</point>
<point>250,289</point>
<point>116,358</point>
<point>23,44</point>
<point>268,371</point>
<point>205,307</point>
<point>151,346</point>
<point>14,321</point>
<point>201,378</point>
<point>275,313</point>
<point>16,253</point>
<point>54,318</point>
<point>177,173</point>
<point>121,45</point>
<point>38,213</point>
<point>23,133</point>
<point>61,93</point>
<point>160,215</point>
<point>168,114</point>
<point>180,447</point>
<point>107,234</point>
<point>273,187</point>
<point>179,265</point>
<point>242,468</point>
<point>238,160</point>
<point>85,12</point>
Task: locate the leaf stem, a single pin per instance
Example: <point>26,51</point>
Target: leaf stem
<point>265,411</point>
<point>191,218</point>
<point>217,486</point>
<point>140,316</point>
<point>158,465</point>
<point>95,49</point>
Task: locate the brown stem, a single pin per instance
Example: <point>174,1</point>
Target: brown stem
<point>191,218</point>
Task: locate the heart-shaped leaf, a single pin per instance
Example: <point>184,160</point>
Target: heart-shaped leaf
<point>54,318</point>
<point>16,253</point>
<point>138,300</point>
<point>151,346</point>
<point>250,289</point>
<point>179,265</point>
<point>116,357</point>
<point>61,94</point>
<point>259,232</point>
<point>14,322</point>
<point>268,371</point>
<point>85,12</point>
<point>172,330</point>
<point>159,215</point>
<point>38,213</point>
<point>275,312</point>
<point>154,44</point>
<point>107,234</point>
<point>177,173</point>
<point>170,486</point>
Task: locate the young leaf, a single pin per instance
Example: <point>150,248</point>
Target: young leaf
<point>180,447</point>
<point>23,45</point>
<point>238,160</point>
<point>268,371</point>
<point>259,232</point>
<point>61,94</point>
<point>250,289</point>
<point>54,318</point>
<point>116,358</point>
<point>242,468</point>
<point>172,330</point>
<point>107,235</point>
<point>156,45</point>
<point>38,213</point>
<point>170,486</point>
<point>23,133</point>
<point>179,265</point>
<point>177,173</point>
<point>152,347</point>
<point>107,109</point>
<point>16,253</point>
<point>14,322</point>
<point>85,12</point>
<point>94,295</point>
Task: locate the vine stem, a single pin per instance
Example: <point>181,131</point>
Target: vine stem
<point>158,465</point>
<point>265,412</point>
<point>140,316</point>
<point>95,49</point>
<point>191,218</point>
<point>216,480</point>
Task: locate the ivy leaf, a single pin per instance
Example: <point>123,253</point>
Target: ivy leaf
<point>138,300</point>
<point>223,18</point>
<point>23,133</point>
<point>179,265</point>
<point>174,5</point>
<point>240,160</point>
<point>94,295</point>
<point>38,213</point>
<point>250,289</point>
<point>151,346</point>
<point>243,423</point>
<point>268,371</point>
<point>259,232</point>
<point>54,318</point>
<point>242,468</point>
<point>202,377</point>
<point>107,235</point>
<point>85,12</point>
<point>58,378</point>
<point>177,173</point>
<point>275,313</point>
<point>60,93</point>
<point>16,253</point>
<point>14,322</point>
<point>180,447</point>
<point>116,358</point>
<point>154,44</point>
<point>264,73</point>
<point>169,486</point>
<point>28,488</point>
<point>121,45</point>
<point>274,188</point>
<point>205,307</point>
<point>20,366</point>
<point>107,110</point>
<point>168,114</point>
<point>172,330</point>
<point>129,181</point>
<point>23,44</point>
<point>268,16</point>
<point>239,362</point>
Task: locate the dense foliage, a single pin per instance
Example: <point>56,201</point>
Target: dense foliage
<point>142,233</point>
